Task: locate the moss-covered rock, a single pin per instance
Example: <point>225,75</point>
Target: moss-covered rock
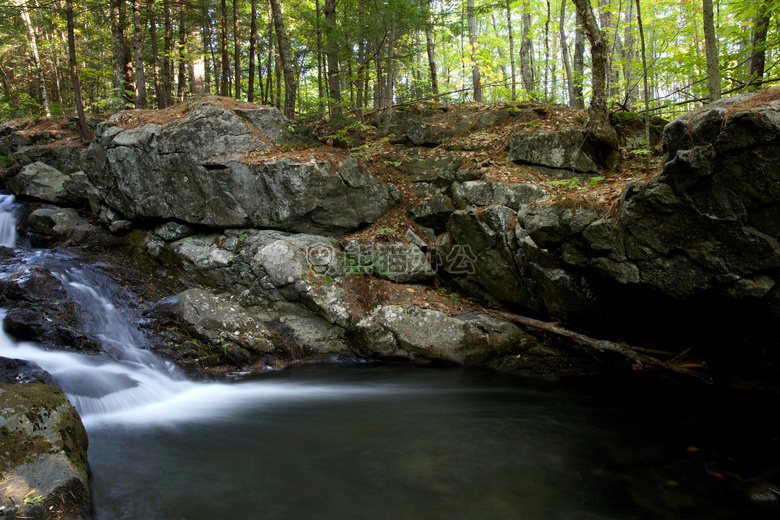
<point>43,455</point>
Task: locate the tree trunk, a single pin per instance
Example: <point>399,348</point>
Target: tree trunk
<point>138,56</point>
<point>512,48</point>
<point>565,53</point>
<point>334,87</point>
<point>206,36</point>
<point>475,77</point>
<point>269,99</point>
<point>236,50</point>
<point>250,89</point>
<point>547,52</point>
<point>118,52</point>
<point>159,94</point>
<point>602,135</point>
<point>431,60</point>
<point>286,59</point>
<point>644,74</point>
<point>578,63</point>
<point>758,51</point>
<point>711,48</point>
<point>36,59</point>
<point>224,85</point>
<point>74,77</point>
<point>181,53</point>
<point>167,50</point>
<point>628,54</point>
<point>526,54</point>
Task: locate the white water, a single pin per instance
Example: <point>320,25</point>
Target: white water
<point>128,384</point>
<point>7,222</point>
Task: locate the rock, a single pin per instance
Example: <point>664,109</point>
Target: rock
<point>49,226</point>
<point>44,469</point>
<point>396,261</point>
<point>171,231</point>
<point>479,256</point>
<point>17,371</point>
<point>63,156</point>
<point>433,212</point>
<point>415,334</point>
<point>194,171</point>
<point>439,170</point>
<point>221,323</point>
<point>564,150</point>
<point>483,193</point>
<point>40,181</point>
<point>39,310</point>
<point>273,125</point>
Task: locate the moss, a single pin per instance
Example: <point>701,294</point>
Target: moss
<point>36,402</point>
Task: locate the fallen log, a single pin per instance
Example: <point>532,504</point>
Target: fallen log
<point>600,344</point>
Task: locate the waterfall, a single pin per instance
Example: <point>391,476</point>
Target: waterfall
<point>128,384</point>
<point>7,221</point>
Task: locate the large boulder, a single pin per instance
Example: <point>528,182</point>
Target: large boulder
<point>566,150</point>
<point>196,170</point>
<point>696,248</point>
<point>44,461</point>
<point>415,334</point>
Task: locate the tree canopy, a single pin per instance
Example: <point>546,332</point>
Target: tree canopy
<point>340,57</point>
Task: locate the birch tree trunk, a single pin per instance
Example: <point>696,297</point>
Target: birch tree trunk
<point>36,59</point>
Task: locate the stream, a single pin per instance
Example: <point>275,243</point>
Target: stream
<point>392,441</point>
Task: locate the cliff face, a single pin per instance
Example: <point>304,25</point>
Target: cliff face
<point>687,259</point>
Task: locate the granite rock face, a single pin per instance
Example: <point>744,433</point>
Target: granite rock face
<point>196,170</point>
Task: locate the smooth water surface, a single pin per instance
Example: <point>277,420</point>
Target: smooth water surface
<point>412,443</point>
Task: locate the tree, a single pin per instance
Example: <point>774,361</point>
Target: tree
<point>286,60</point>
<point>83,130</point>
<point>711,49</point>
<point>475,78</point>
<point>601,134</point>
<point>236,50</point>
<point>36,58</point>
<point>758,48</point>
<point>224,84</point>
<point>250,90</point>
<point>118,51</point>
<point>565,53</point>
<point>138,56</point>
<point>526,53</point>
<point>512,46</point>
<point>334,86</point>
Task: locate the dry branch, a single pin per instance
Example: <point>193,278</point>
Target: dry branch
<point>599,344</point>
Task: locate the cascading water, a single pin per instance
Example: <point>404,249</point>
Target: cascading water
<point>7,221</point>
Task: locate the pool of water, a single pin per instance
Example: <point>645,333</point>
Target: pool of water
<point>389,442</point>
